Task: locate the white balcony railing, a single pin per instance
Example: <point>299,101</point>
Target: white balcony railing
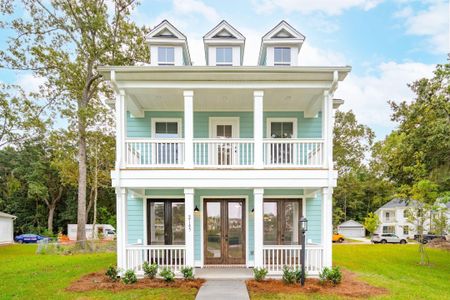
<point>293,152</point>
<point>154,152</point>
<point>224,153</point>
<point>275,257</point>
<point>171,256</point>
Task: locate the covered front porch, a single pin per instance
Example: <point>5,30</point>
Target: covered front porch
<point>223,228</point>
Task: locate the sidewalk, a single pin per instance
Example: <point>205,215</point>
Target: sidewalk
<point>223,289</point>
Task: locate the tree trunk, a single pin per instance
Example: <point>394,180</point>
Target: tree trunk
<point>51,213</point>
<point>81,212</point>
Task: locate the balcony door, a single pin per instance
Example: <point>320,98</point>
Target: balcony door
<point>221,129</point>
<point>166,152</point>
<point>224,231</point>
<point>282,151</point>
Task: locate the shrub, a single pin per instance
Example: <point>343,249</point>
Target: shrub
<point>333,275</point>
<point>188,272</point>
<point>298,275</point>
<point>167,274</point>
<point>129,277</point>
<point>112,273</point>
<point>150,271</point>
<point>260,273</point>
<point>289,275</point>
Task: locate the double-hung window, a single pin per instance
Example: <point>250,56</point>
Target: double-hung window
<point>281,221</point>
<point>166,56</point>
<point>224,56</point>
<point>282,56</point>
<point>165,219</point>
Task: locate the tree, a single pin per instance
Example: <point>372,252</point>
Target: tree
<point>371,222</point>
<point>64,41</point>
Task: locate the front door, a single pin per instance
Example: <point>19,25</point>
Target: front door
<point>224,231</point>
<point>225,153</point>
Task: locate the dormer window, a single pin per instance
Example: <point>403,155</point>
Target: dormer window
<point>166,56</point>
<point>282,56</point>
<point>224,56</point>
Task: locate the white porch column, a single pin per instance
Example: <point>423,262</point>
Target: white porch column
<point>258,128</point>
<point>259,229</point>
<point>327,225</point>
<point>325,131</point>
<point>188,129</point>
<point>189,225</point>
<point>120,128</point>
<point>121,215</point>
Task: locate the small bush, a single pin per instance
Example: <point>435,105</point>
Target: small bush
<point>298,275</point>
<point>289,275</point>
<point>112,273</point>
<point>150,270</point>
<point>129,277</point>
<point>260,273</point>
<point>167,274</point>
<point>333,275</point>
<point>188,273</point>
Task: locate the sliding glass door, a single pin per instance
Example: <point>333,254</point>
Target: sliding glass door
<point>165,222</point>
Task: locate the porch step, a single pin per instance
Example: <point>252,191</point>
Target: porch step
<point>224,273</point>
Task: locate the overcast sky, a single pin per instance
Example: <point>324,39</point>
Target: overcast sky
<point>388,43</point>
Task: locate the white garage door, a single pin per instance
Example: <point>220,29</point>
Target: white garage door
<point>6,230</point>
<point>352,232</point>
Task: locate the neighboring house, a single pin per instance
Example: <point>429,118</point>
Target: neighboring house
<point>394,218</point>
<point>352,228</point>
<point>6,228</point>
<point>216,164</point>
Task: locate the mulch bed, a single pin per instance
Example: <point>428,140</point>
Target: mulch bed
<point>350,287</point>
<point>439,244</point>
<point>99,281</point>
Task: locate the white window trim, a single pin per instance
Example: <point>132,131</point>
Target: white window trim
<point>178,120</point>
<point>233,121</point>
<point>224,63</point>
<point>166,63</point>
<point>281,63</point>
<point>269,125</point>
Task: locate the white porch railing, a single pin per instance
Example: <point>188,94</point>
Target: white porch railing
<point>293,152</point>
<point>223,153</point>
<point>275,257</point>
<point>154,152</point>
<point>172,256</point>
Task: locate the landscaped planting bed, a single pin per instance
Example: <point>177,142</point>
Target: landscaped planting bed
<point>99,281</point>
<point>349,287</point>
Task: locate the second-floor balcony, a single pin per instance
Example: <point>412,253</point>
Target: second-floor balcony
<point>224,153</point>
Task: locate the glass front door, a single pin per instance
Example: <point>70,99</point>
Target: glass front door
<point>165,222</point>
<point>224,231</point>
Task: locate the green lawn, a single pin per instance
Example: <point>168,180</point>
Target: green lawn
<point>26,275</point>
<point>393,267</point>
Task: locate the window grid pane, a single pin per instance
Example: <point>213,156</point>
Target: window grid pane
<point>224,56</point>
<point>166,55</point>
<point>282,56</point>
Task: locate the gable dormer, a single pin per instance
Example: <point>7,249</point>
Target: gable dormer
<point>168,46</point>
<point>224,46</point>
<point>280,46</point>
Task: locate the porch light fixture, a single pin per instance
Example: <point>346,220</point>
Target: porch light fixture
<point>303,224</point>
<point>196,209</point>
<point>253,210</point>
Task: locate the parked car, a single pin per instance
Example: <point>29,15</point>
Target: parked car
<point>29,238</point>
<point>387,238</point>
<point>429,237</point>
<point>338,238</point>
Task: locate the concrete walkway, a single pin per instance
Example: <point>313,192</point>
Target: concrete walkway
<point>223,289</point>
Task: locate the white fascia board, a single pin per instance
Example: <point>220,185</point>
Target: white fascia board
<point>224,178</point>
<point>223,85</point>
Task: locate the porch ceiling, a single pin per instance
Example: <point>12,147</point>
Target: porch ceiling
<point>225,99</point>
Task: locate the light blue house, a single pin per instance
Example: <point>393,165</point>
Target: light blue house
<point>217,164</point>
